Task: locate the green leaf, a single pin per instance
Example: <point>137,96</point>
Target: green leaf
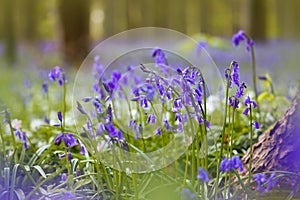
<point>40,170</point>
<point>20,194</point>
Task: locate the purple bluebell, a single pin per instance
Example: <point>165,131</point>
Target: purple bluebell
<point>202,176</point>
<point>116,76</point>
<point>151,119</point>
<point>178,103</point>
<point>272,182</point>
<point>64,177</point>
<point>25,141</point>
<point>45,87</point>
<point>68,139</point>
<point>200,119</point>
<point>207,124</point>
<point>238,37</point>
<point>228,165</point>
<point>241,36</point>
<point>234,102</point>
<point>83,150</point>
<point>256,124</point>
<point>178,117</point>
<point>69,156</point>
<point>237,163</point>
<point>160,57</point>
<point>158,131</point>
<point>187,194</point>
<point>119,135</point>
<point>166,124</point>
<point>98,106</point>
<point>262,179</point>
<point>55,73</point>
<point>263,78</point>
<point>179,127</point>
<point>59,116</point>
<point>248,102</point>
<point>100,129</point>
<point>109,114</point>
<point>240,91</point>
<point>246,111</point>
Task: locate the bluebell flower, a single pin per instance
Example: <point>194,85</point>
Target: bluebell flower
<point>159,56</point>
<point>166,124</point>
<point>69,156</point>
<point>68,139</point>
<point>202,176</point>
<point>109,114</point>
<point>228,165</point>
<point>262,179</point>
<point>179,127</point>
<point>83,150</point>
<point>234,102</point>
<point>98,106</point>
<point>158,131</point>
<point>116,76</point>
<point>241,36</point>
<point>59,116</point>
<point>151,119</point>
<point>64,177</point>
<point>272,182</point>
<point>256,124</point>
<point>178,117</point>
<point>45,87</point>
<point>240,91</point>
<point>187,194</point>
<point>238,37</point>
<point>207,124</point>
<point>55,73</point>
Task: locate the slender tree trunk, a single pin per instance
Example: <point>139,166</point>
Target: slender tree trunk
<point>74,15</point>
<point>258,19</point>
<point>9,31</point>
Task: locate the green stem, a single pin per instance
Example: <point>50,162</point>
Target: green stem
<point>64,103</point>
<point>251,138</point>
<point>223,131</point>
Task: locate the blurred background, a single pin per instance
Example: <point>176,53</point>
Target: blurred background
<point>69,29</point>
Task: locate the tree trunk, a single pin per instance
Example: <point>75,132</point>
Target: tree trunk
<point>9,31</point>
<point>278,149</point>
<point>74,15</point>
<point>258,19</point>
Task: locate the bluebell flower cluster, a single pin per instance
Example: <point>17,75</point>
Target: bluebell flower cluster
<point>234,79</point>
<point>261,179</point>
<point>241,36</point>
<point>228,165</point>
<point>249,105</point>
<point>57,74</point>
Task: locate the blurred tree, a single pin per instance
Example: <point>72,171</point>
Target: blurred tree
<point>176,15</point>
<point>9,31</point>
<point>75,15</point>
<point>205,16</point>
<point>30,19</point>
<point>257,25</point>
<point>192,11</point>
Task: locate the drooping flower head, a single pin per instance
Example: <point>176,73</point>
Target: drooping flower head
<point>202,176</point>
<point>160,57</point>
<point>241,36</point>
